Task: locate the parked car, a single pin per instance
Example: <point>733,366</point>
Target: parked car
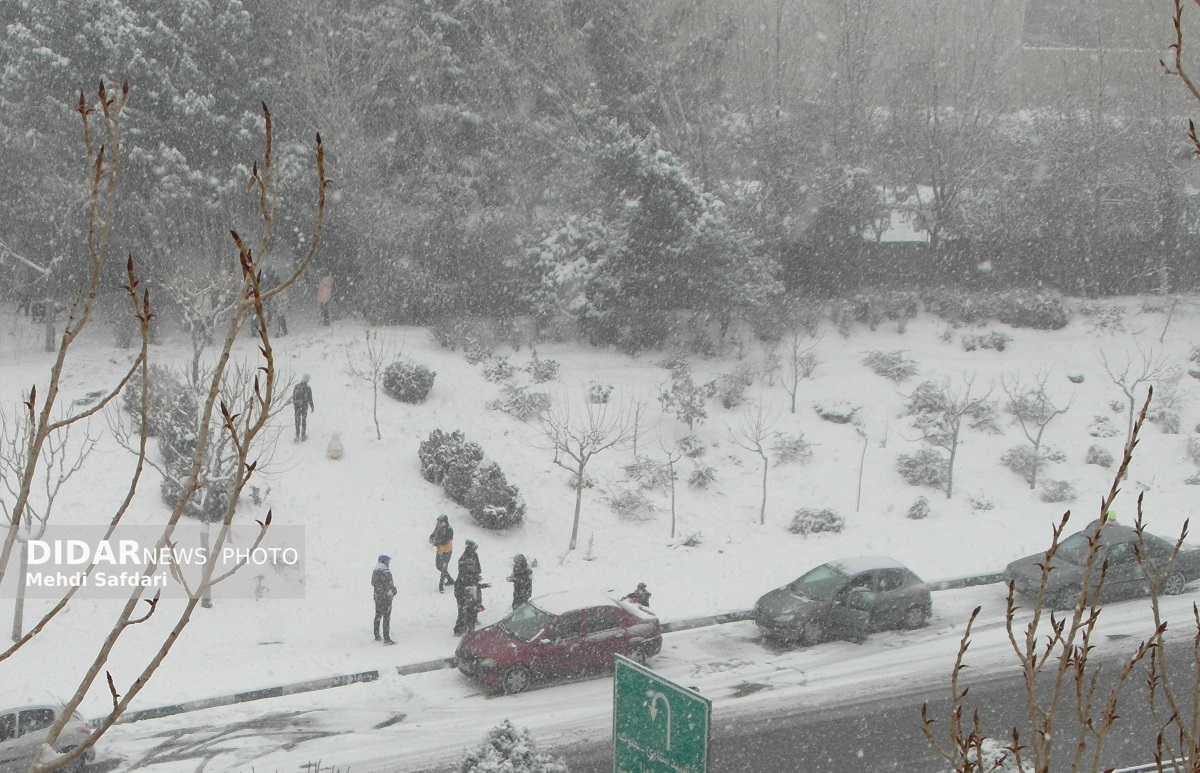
<point>23,726</point>
<point>1124,578</point>
<point>845,599</point>
<point>558,635</point>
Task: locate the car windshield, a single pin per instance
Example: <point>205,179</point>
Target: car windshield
<point>819,584</point>
<point>526,622</point>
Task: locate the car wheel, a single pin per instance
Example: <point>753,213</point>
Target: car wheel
<point>516,679</point>
<point>637,653</point>
<point>812,633</point>
<point>1174,584</point>
<point>914,618</point>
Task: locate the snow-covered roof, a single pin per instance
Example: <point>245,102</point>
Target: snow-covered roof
<point>856,564</point>
<point>565,601</point>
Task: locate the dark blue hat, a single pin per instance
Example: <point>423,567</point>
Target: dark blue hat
<point>385,559</point>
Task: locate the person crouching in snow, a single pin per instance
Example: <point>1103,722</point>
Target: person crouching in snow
<point>384,591</point>
<point>522,580</point>
<point>641,596</point>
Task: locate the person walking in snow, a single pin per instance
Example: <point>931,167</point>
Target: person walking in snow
<point>324,296</point>
<point>442,540</point>
<point>466,589</point>
<point>384,591</point>
<point>641,596</point>
<point>302,404</point>
<point>522,580</point>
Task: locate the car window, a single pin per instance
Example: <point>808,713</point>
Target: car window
<point>602,619</point>
<point>1159,548</point>
<point>526,621</point>
<point>819,584</point>
<point>568,626</point>
<point>8,727</point>
<point>889,581</point>
<point>1120,553</point>
<point>34,719</point>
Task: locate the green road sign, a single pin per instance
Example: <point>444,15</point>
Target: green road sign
<point>658,726</point>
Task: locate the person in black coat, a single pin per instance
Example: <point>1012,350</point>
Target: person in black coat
<point>522,580</point>
<point>302,404</point>
<point>384,591</point>
<point>466,589</point>
<point>641,596</point>
<point>442,540</point>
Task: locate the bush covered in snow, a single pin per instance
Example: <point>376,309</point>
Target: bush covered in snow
<point>541,370</point>
<point>407,381</point>
<point>809,520</point>
<point>598,393</point>
<point>919,510</point>
<point>684,397</point>
<point>492,502</point>
<point>631,505</point>
<point>517,401</point>
<point>873,308</point>
<point>171,403</point>
<point>1103,426</point>
<point>477,336</point>
<point>691,446</point>
<point>840,412</point>
<point>702,476</point>
<point>893,365</point>
<point>1098,456</point>
<point>1035,309</point>
<point>791,448</point>
<point>1027,463</point>
<point>731,387</point>
<point>927,467</point>
<point>995,340</point>
<point>508,750</point>
<point>498,369</point>
<point>649,473</point>
<point>1057,491</point>
<point>450,460</point>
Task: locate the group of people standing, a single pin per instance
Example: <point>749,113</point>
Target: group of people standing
<point>467,586</point>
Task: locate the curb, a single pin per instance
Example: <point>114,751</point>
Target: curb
<point>440,663</point>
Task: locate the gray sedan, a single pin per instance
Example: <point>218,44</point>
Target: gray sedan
<point>845,599</point>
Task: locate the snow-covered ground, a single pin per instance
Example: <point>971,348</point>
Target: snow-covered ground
<point>374,500</point>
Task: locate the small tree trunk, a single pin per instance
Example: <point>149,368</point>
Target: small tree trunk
<point>671,472</point>
<point>206,602</point>
<point>375,408</point>
<point>762,510</point>
<point>50,345</point>
<point>578,507</point>
<point>19,604</point>
<point>862,463</point>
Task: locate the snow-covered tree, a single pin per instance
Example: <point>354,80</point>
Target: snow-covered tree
<point>508,750</point>
<point>941,411</point>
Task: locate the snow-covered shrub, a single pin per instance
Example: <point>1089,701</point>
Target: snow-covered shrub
<point>477,336</point>
<point>518,402</point>
<point>684,397</point>
<point>1167,421</point>
<point>1116,406</point>
<point>791,448</point>
<point>891,365</point>
<point>508,750</point>
<point>1195,355</point>
<point>919,510</point>
<point>731,387</point>
<point>702,476</point>
<point>1103,320</point>
<point>996,757</point>
<point>980,502</point>
<point>1193,480</point>
<point>598,393</point>
<point>631,505</point>
<point>493,503</point>
<point>809,520</point>
<point>1035,309</point>
<point>541,370</point>
<point>874,307</point>
<point>1103,426</point>
<point>995,340</point>
<point>927,467</point>
<point>407,381</point>
<point>691,446</point>
<point>450,460</point>
<point>1027,463</point>
<point>649,474</point>
<point>1193,450</point>
<point>1057,491</point>
<point>498,369</point>
<point>840,412</point>
<point>171,402</point>
<point>1098,456</point>
<point>1075,378</point>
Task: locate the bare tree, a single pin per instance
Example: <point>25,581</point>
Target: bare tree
<point>370,367</point>
<point>205,300</point>
<point>241,426</point>
<point>578,436</point>
<point>1033,410</point>
<point>941,410</point>
<point>673,453</point>
<point>751,434</point>
<point>1130,373</point>
<point>801,361</point>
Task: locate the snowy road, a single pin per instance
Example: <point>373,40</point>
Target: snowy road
<point>424,721</point>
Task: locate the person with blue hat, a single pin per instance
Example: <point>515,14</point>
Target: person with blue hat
<point>385,591</point>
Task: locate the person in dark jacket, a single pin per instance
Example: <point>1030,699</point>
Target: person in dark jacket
<point>641,596</point>
<point>466,589</point>
<point>385,590</point>
<point>302,404</point>
<point>442,540</point>
<point>522,580</point>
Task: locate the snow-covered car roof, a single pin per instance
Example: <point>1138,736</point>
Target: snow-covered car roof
<point>856,564</point>
<point>565,601</point>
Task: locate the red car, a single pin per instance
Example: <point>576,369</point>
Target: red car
<point>558,635</point>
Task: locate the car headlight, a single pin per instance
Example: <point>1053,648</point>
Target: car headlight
<point>487,663</point>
